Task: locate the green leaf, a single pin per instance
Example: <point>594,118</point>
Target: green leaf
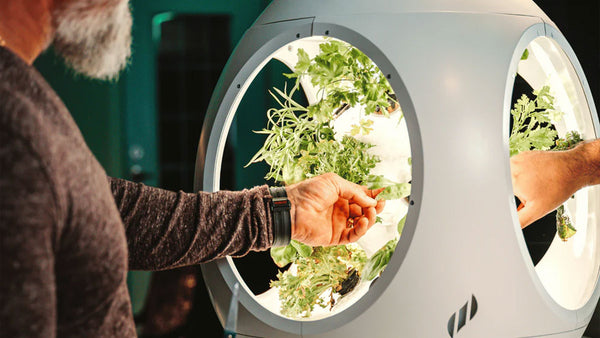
<point>525,54</point>
<point>392,189</point>
<point>532,122</point>
<point>564,227</point>
<point>542,138</point>
<point>396,191</point>
<point>303,61</point>
<point>571,139</point>
<point>401,225</point>
<point>283,255</point>
<point>379,260</point>
<point>302,249</point>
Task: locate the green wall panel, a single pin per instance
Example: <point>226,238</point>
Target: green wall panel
<point>95,106</point>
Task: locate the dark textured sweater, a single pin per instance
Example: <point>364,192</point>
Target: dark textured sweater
<point>68,233</point>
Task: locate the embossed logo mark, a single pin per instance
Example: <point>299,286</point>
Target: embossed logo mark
<point>455,325</point>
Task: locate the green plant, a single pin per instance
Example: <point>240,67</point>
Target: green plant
<point>564,228</point>
<point>301,143</point>
<point>379,260</point>
<point>325,270</point>
<point>345,76</point>
<point>532,126</point>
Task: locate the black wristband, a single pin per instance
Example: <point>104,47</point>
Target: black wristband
<point>282,221</point>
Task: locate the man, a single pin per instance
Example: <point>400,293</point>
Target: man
<point>65,245</point>
<point>543,180</point>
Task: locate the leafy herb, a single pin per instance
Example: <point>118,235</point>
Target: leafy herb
<point>364,128</point>
<point>563,224</point>
<point>401,225</point>
<point>570,140</point>
<point>392,189</point>
<point>532,126</point>
<point>379,260</point>
<point>325,270</point>
<point>285,255</point>
<point>344,75</point>
<point>301,143</point>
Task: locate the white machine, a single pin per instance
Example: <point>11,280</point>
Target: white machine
<point>461,268</point>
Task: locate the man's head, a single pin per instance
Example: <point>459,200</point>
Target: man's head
<point>93,36</point>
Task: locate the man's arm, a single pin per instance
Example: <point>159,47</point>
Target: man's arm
<point>167,229</point>
<point>543,180</point>
<point>28,227</point>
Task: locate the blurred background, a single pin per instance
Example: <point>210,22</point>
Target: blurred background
<point>146,126</point>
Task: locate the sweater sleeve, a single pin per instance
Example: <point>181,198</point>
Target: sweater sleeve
<point>168,229</point>
<point>28,225</point>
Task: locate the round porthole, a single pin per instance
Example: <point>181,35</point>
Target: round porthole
<point>550,104</point>
<point>331,109</point>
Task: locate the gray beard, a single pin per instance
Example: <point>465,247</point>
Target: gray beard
<point>94,42</point>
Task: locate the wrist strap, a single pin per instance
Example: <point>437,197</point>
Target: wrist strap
<point>282,221</point>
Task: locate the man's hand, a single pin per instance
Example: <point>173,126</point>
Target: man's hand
<point>328,210</point>
<point>543,180</point>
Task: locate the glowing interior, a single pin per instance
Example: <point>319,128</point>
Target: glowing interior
<point>394,165</point>
<point>569,270</point>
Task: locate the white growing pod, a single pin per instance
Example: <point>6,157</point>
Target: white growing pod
<point>461,267</point>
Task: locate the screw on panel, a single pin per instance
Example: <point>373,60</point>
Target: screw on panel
<point>238,86</point>
<point>412,202</point>
<point>298,35</point>
<point>327,32</point>
<point>389,76</point>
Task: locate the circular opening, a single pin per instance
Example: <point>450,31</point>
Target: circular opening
<point>564,245</point>
<point>329,109</point>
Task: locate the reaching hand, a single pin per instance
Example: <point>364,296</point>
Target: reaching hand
<point>328,210</point>
<point>543,180</point>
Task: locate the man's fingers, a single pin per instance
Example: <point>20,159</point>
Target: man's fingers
<point>371,215</point>
<point>355,210</point>
<point>340,218</point>
<point>361,226</point>
<point>373,193</point>
<point>380,205</point>
<point>352,235</point>
<point>355,193</point>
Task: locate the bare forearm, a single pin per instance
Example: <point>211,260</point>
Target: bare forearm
<point>586,164</point>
